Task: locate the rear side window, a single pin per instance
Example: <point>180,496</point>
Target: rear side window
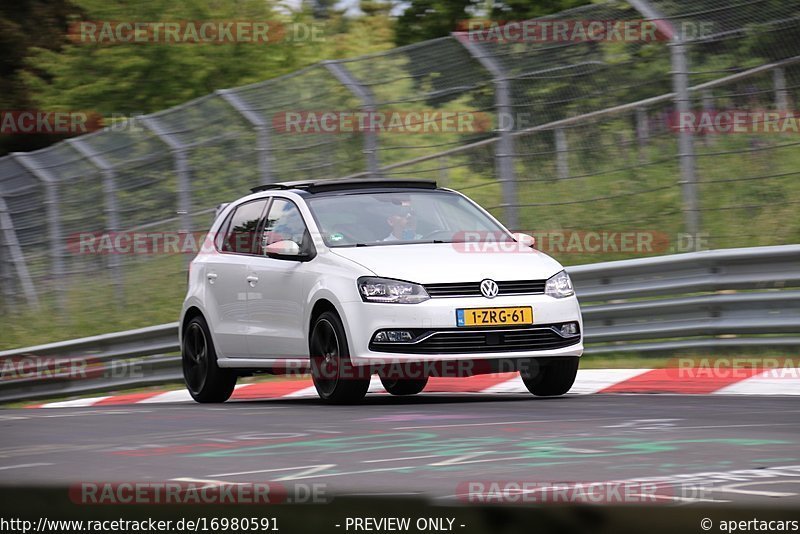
<point>240,229</point>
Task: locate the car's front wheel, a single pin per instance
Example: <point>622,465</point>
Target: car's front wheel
<point>548,377</point>
<point>404,386</point>
<point>205,380</point>
<point>336,379</point>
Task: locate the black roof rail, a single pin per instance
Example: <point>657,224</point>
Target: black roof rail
<point>319,186</point>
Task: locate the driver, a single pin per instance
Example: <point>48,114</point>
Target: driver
<point>403,222</point>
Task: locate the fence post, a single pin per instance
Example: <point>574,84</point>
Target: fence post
<point>53,214</point>
<point>562,154</point>
<point>6,279</point>
<point>182,171</point>
<point>367,99</point>
<point>781,96</point>
<point>504,148</point>
<point>642,133</point>
<point>683,104</point>
<point>262,129</point>
<point>111,208</point>
<point>680,81</point>
<point>11,245</point>
<point>444,171</point>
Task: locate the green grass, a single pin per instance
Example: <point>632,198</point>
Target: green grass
<point>153,290</point>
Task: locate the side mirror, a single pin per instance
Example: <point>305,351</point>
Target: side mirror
<point>284,250</point>
<point>524,239</point>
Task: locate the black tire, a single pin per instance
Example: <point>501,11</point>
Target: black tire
<point>204,379</point>
<point>550,377</point>
<point>404,386</point>
<point>336,379</point>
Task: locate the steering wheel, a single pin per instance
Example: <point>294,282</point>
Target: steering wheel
<point>430,235</point>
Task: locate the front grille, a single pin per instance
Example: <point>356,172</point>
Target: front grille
<point>473,289</point>
<point>476,341</point>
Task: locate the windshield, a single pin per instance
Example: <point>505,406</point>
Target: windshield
<point>390,218</point>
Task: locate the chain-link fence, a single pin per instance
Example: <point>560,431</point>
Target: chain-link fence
<point>577,140</point>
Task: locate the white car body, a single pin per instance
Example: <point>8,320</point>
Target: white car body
<point>260,309</point>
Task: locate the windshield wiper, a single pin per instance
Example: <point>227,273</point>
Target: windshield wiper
<point>379,243</point>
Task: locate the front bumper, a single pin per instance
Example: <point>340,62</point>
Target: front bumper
<point>363,319</point>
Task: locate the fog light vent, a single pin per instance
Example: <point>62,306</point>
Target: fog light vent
<point>569,329</point>
<point>392,336</point>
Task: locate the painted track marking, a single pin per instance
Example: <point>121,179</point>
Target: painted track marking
<point>22,466</point>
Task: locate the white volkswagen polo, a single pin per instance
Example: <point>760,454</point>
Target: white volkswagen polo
<point>351,278</point>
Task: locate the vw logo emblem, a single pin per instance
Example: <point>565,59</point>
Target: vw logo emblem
<point>489,289</point>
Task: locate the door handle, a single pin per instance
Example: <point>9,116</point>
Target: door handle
<point>212,277</point>
<point>252,280</point>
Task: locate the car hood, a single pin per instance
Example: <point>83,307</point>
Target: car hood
<point>432,263</point>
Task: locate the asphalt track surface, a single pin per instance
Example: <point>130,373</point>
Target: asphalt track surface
<point>738,449</point>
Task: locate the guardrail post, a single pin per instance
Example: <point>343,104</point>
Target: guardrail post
<point>781,95</point>
<point>182,171</point>
<point>262,129</point>
<point>504,149</point>
<point>683,104</point>
<point>345,77</point>
<point>14,252</point>
<point>53,214</point>
<point>111,209</point>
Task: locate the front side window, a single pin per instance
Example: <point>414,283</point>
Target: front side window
<point>285,223</point>
<point>240,230</point>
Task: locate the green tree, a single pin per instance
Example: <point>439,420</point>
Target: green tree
<point>428,19</point>
<point>24,25</point>
<point>142,78</point>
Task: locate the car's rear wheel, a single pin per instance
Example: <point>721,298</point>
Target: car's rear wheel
<point>550,377</point>
<point>336,379</point>
<point>205,380</point>
<point>404,386</point>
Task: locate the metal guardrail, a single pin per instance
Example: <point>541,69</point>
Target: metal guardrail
<point>134,358</point>
<point>698,301</point>
<point>702,300</point>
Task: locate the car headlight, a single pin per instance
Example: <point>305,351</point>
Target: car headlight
<point>559,286</point>
<point>374,289</point>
